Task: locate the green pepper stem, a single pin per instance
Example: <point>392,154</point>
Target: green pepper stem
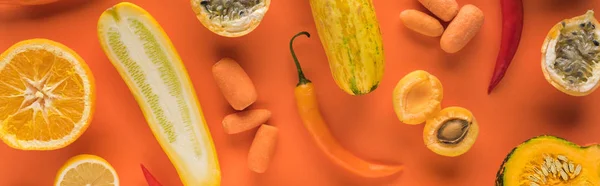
<point>301,79</point>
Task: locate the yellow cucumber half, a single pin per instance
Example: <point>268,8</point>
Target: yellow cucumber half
<point>144,56</point>
<point>350,34</point>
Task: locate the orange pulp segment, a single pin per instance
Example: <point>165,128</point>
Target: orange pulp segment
<point>46,95</point>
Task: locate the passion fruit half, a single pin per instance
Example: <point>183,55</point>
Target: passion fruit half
<point>230,18</point>
<point>570,55</point>
<point>451,132</point>
<point>417,96</point>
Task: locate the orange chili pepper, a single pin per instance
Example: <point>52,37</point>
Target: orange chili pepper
<point>308,110</point>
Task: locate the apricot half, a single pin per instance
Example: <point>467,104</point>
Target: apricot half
<point>571,53</point>
<point>451,132</point>
<point>417,96</point>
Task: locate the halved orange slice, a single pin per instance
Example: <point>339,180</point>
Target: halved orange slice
<point>47,95</point>
<point>86,169</point>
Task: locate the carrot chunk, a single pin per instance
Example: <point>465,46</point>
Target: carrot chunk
<point>421,23</point>
<point>462,29</point>
<point>443,9</point>
<point>245,120</point>
<point>234,83</point>
<point>262,148</point>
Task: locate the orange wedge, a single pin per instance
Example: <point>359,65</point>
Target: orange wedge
<point>47,95</point>
<point>86,169</point>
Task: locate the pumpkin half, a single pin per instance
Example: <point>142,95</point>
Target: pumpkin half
<point>230,18</point>
<point>550,160</point>
<point>570,55</point>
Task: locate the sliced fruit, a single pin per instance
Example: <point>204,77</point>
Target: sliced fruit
<point>417,96</point>
<point>149,64</point>
<point>550,160</point>
<point>451,132</point>
<point>47,95</point>
<point>570,55</point>
<point>230,18</point>
<point>86,169</point>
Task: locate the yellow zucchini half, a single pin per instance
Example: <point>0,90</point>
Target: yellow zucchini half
<point>144,56</point>
<point>350,34</point>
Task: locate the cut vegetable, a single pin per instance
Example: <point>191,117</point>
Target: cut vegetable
<point>570,55</point>
<point>417,96</point>
<point>235,85</point>
<point>421,23</point>
<point>149,64</point>
<point>245,120</point>
<point>230,18</point>
<point>86,169</point>
<point>451,132</point>
<point>263,148</point>
<point>443,9</point>
<point>47,95</point>
<point>462,29</point>
<point>550,160</point>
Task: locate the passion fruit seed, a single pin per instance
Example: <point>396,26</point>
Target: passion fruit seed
<point>577,52</point>
<point>229,9</point>
<point>453,131</point>
<point>553,170</point>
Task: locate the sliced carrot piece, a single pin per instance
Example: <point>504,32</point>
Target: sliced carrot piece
<point>234,83</point>
<point>245,120</point>
<point>262,148</point>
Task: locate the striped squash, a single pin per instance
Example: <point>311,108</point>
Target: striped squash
<point>350,34</point>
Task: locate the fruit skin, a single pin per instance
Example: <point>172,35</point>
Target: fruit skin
<point>552,36</point>
<point>350,34</point>
<point>92,93</point>
<point>407,84</point>
<point>241,29</point>
<point>434,123</point>
<point>589,157</point>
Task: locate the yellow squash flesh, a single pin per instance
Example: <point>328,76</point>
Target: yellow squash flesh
<point>350,34</point>
<point>146,60</point>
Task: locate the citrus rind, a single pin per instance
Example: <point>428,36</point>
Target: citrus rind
<point>76,161</point>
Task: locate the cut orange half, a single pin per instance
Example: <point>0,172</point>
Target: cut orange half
<point>47,95</point>
<point>86,170</point>
<point>417,96</point>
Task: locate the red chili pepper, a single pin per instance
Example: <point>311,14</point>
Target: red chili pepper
<point>512,25</point>
<point>149,178</point>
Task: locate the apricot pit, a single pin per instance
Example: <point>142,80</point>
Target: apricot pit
<point>417,96</point>
<point>451,132</point>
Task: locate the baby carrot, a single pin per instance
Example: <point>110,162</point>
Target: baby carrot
<point>308,109</point>
<point>245,120</point>
<point>234,83</point>
<point>262,148</point>
<point>462,29</point>
<point>443,9</point>
<point>422,23</point>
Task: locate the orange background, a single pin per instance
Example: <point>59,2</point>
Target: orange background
<point>523,105</point>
